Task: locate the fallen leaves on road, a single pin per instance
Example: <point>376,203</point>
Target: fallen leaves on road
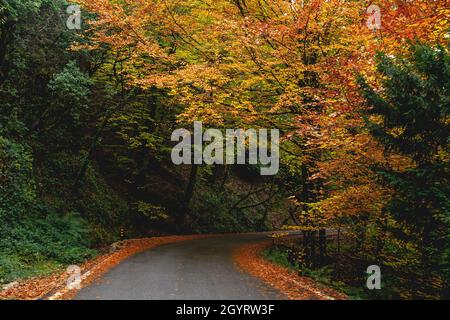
<point>248,257</point>
<point>54,286</point>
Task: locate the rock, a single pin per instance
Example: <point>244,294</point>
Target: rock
<point>116,246</point>
<point>10,285</point>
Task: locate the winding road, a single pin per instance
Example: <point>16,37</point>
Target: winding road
<point>195,269</point>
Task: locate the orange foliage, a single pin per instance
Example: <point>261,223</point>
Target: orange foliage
<point>248,257</point>
<point>277,63</point>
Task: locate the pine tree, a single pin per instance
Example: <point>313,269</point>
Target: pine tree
<point>410,115</point>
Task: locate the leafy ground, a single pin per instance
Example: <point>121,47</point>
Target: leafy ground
<point>87,115</point>
<point>54,286</point>
<point>250,258</point>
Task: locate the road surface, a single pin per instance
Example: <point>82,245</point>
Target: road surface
<point>195,269</point>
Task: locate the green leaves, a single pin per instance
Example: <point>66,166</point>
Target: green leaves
<point>409,114</point>
<point>32,232</point>
<point>70,89</point>
<point>413,103</point>
<point>17,190</point>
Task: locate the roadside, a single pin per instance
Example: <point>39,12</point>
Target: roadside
<point>200,269</point>
<point>54,286</point>
<point>249,257</point>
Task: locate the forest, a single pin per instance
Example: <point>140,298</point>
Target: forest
<point>92,90</point>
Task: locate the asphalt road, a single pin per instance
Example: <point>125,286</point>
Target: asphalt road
<point>195,269</point>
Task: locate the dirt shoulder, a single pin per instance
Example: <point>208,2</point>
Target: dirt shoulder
<point>249,258</point>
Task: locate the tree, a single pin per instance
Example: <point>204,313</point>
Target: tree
<point>409,114</point>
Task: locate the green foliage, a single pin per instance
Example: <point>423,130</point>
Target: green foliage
<point>32,234</point>
<point>97,202</point>
<point>410,116</point>
<point>152,212</point>
<point>343,278</point>
<point>213,214</point>
<point>16,188</point>
<point>44,115</point>
<point>414,103</point>
<point>280,256</point>
<point>57,238</point>
<point>70,90</point>
<point>13,9</point>
<point>13,267</point>
<point>84,154</point>
<point>215,210</point>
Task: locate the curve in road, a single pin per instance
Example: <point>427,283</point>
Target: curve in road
<point>193,270</point>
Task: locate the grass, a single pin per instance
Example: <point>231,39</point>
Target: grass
<point>14,268</point>
<point>279,256</point>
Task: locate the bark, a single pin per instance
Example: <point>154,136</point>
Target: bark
<point>225,176</point>
<point>95,140</point>
<point>190,187</point>
<point>339,240</point>
<point>322,245</point>
<point>6,32</point>
<point>426,243</point>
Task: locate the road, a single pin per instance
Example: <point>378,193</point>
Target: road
<point>195,269</point>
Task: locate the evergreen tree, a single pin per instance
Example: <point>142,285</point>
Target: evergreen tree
<point>410,115</point>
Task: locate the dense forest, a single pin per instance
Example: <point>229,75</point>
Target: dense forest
<point>87,112</point>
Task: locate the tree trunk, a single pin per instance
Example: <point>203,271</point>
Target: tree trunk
<point>190,189</point>
<point>322,246</point>
<point>313,247</point>
<point>306,248</point>
<point>225,176</point>
<point>93,145</point>
<point>426,243</point>
<point>6,32</point>
<point>339,240</point>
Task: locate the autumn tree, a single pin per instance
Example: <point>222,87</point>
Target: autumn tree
<point>285,64</point>
<point>410,116</point>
